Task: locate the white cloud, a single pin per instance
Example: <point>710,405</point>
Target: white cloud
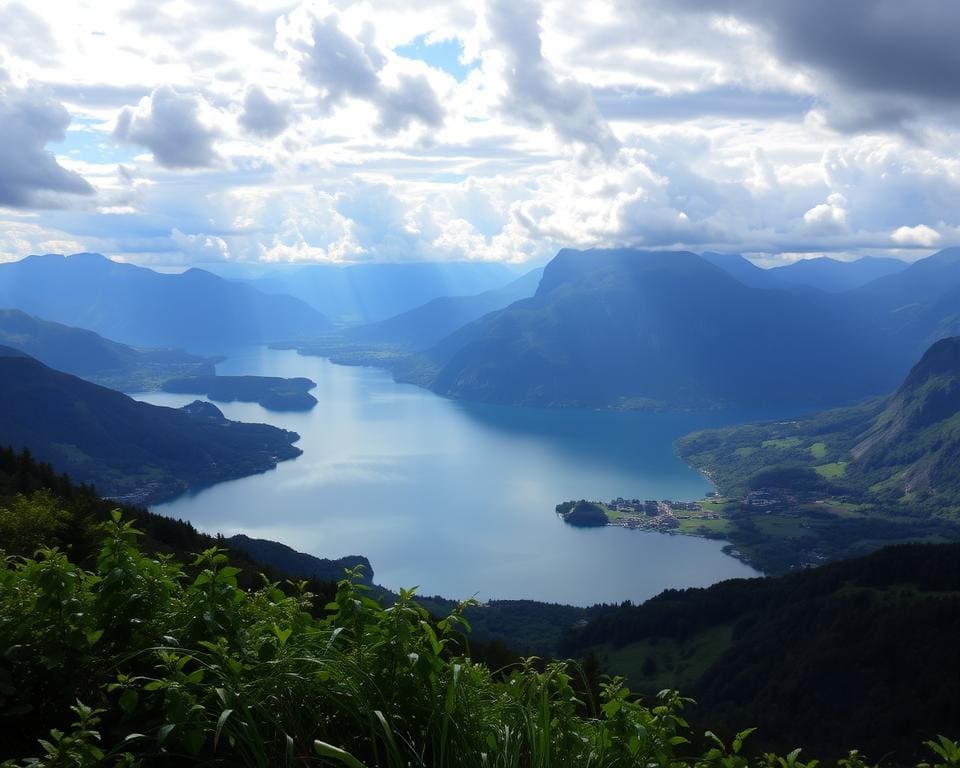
<point>919,235</point>
<point>310,134</point>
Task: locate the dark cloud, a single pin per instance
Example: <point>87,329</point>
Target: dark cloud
<point>338,64</point>
<point>29,175</point>
<point>412,99</point>
<point>24,34</point>
<point>343,67</point>
<point>535,95</point>
<point>262,115</point>
<point>884,61</point>
<point>169,124</point>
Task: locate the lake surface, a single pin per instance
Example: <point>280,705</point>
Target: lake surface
<point>459,498</point>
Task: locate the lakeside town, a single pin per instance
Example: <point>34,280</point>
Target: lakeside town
<point>646,514</point>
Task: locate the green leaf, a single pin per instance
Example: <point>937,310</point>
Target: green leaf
<point>328,750</point>
<point>128,700</point>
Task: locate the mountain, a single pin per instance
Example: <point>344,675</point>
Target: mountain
<point>195,310</point>
<point>298,564</point>
<point>90,356</point>
<point>798,492</point>
<point>822,273</point>
<point>836,276</point>
<point>425,326</point>
<point>130,450</point>
<point>744,270</point>
<point>628,328</point>
<point>850,654</point>
<point>914,308</point>
<point>366,293</point>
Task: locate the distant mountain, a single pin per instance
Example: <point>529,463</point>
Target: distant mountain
<point>744,270</point>
<point>195,310</point>
<point>823,273</point>
<point>424,326</point>
<point>130,450</point>
<point>94,358</point>
<point>366,293</point>
<point>915,307</point>
<point>636,329</point>
<point>836,276</point>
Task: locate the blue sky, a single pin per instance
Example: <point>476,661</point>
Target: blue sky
<point>171,132</point>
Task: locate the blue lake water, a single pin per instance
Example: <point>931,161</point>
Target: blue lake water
<point>459,498</point>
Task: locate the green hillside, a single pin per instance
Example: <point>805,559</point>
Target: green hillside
<point>846,481</point>
<point>861,651</point>
<point>131,450</point>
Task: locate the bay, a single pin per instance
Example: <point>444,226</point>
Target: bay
<point>458,498</point>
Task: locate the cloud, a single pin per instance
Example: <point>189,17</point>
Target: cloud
<point>886,62</point>
<point>344,66</point>
<point>202,248</point>
<point>29,175</point>
<point>25,34</point>
<point>919,235</point>
<point>534,93</point>
<point>262,116</point>
<point>172,126</point>
<point>829,217</point>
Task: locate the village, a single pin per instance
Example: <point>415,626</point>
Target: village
<point>651,514</point>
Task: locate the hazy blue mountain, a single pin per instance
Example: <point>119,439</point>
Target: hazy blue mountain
<point>130,450</point>
<point>914,308</point>
<point>90,356</point>
<point>836,276</point>
<point>195,310</point>
<point>628,328</point>
<point>365,293</point>
<point>744,270</point>
<point>426,325</point>
<point>823,273</point>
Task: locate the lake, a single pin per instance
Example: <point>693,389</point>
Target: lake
<point>459,498</point>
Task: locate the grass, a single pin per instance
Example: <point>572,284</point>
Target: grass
<point>782,442</point>
<point>818,450</point>
<point>653,665</point>
<point>782,526</point>
<point>700,525</point>
<point>832,470</point>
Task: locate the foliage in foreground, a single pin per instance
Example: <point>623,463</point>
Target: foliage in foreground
<point>142,661</point>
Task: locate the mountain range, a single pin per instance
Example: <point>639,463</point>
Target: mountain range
<point>638,329</point>
<point>194,310</point>
<point>90,356</point>
<point>366,293</point>
<point>822,273</point>
<point>130,450</point>
<point>635,329</point>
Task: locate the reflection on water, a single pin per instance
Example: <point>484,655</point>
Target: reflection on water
<point>458,498</point>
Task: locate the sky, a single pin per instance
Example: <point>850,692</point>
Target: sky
<point>186,132</point>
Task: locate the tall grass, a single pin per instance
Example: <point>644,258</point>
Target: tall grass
<point>144,661</point>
